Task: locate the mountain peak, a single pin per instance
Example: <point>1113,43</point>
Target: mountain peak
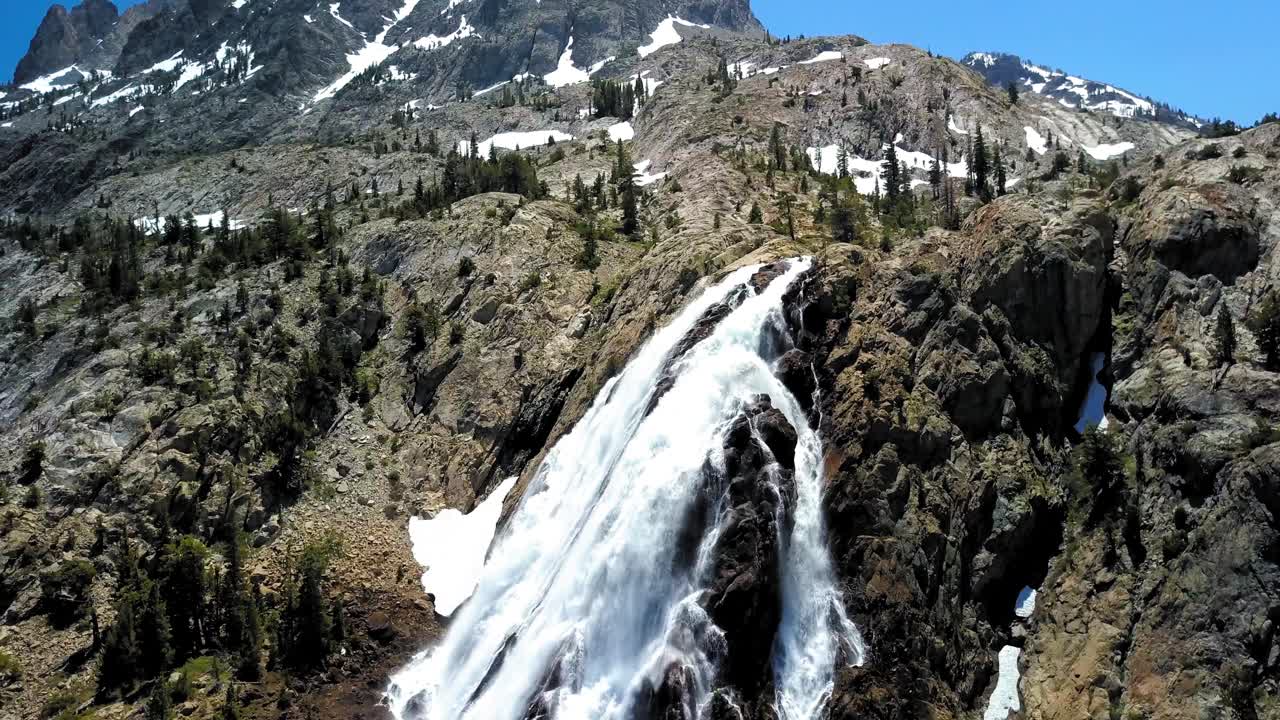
<point>66,37</point>
<point>1001,69</point>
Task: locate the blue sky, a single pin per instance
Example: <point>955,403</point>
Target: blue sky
<point>1206,58</point>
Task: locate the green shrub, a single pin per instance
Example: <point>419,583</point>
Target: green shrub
<point>10,668</point>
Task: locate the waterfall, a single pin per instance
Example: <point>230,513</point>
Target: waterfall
<point>584,585</point>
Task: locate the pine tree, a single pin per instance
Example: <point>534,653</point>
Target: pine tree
<point>786,201</point>
<point>630,209</point>
<point>755,216</point>
<point>121,656</point>
<point>308,625</point>
<point>159,706</point>
<point>843,222</point>
<point>1001,178</point>
<point>892,175</point>
<point>1224,337</point>
<point>186,592</point>
<point>1266,328</point>
<point>230,704</point>
<point>981,166</point>
<point>1098,476</point>
<point>776,148</point>
<point>1012,89</point>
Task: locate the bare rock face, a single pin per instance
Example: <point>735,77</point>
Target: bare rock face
<point>1165,605</point>
<point>1209,229</point>
<point>64,37</point>
<point>1029,261</point>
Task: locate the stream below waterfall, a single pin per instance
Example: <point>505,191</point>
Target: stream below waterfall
<point>585,600</point>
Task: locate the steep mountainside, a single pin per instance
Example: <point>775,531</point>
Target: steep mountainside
<point>1001,69</point>
<point>844,378</point>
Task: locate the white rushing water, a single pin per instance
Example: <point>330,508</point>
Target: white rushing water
<point>585,581</point>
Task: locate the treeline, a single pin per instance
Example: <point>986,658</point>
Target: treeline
<point>462,177</point>
<point>178,604</point>
<point>617,99</point>
<point>620,192</point>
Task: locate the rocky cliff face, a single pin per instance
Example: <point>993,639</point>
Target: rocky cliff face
<point>64,37</point>
<point>943,357</point>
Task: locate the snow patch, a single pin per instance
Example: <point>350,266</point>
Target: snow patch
<point>202,221</point>
<point>452,548</point>
<point>122,93</point>
<point>516,141</point>
<point>826,56</point>
<point>866,172</point>
<point>986,59</point>
<point>489,89</point>
<point>237,4</point>
<point>334,11</point>
<point>308,19</point>
<point>434,42</point>
<point>1106,152</point>
<point>1004,699</point>
<point>1036,141</point>
<point>622,131</point>
<point>877,62</point>
<point>953,127</point>
<point>649,83</point>
<point>642,176</point>
<point>49,83</point>
<point>566,73</point>
<point>666,34</point>
<point>169,65</point>
<point>136,110</point>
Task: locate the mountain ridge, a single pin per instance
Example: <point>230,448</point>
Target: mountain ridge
<point>1001,69</point>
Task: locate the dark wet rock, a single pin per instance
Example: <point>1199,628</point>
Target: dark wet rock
<point>743,597</point>
<point>671,699</point>
<point>766,275</point>
<point>795,370</point>
<point>701,330</point>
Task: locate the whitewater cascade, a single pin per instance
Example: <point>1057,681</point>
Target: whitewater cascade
<point>580,583</point>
